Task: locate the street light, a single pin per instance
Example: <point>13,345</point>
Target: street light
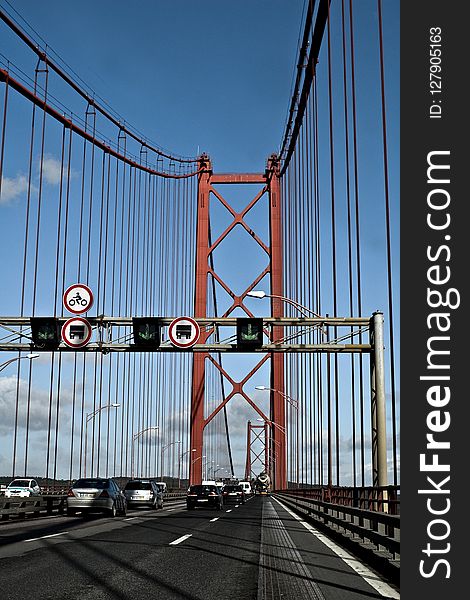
<point>89,417</point>
<point>291,401</point>
<point>280,427</point>
<point>212,469</point>
<point>8,362</point>
<point>179,464</point>
<point>302,309</point>
<point>198,458</point>
<point>192,463</point>
<point>134,437</point>
<point>163,450</point>
<point>306,312</point>
<point>206,469</point>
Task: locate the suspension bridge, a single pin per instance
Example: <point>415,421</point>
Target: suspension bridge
<point>161,319</point>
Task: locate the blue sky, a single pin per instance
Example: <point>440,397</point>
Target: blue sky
<point>215,78</point>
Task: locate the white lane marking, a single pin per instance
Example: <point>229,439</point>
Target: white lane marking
<point>131,518</point>
<point>237,505</point>
<point>180,539</point>
<point>170,509</point>
<point>46,536</point>
<point>230,510</point>
<point>371,578</point>
<point>214,519</point>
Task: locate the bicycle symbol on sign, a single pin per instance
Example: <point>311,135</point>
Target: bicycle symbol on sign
<point>78,300</point>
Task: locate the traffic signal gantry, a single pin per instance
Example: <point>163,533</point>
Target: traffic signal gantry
<point>252,334</point>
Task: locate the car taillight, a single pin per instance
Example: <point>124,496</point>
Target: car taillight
<point>212,494</point>
<point>193,495</point>
<point>104,494</point>
<point>70,492</point>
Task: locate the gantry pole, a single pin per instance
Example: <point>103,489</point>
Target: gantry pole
<point>379,434</point>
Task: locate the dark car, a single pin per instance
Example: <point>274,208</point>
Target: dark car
<point>205,496</point>
<point>233,493</point>
<point>96,494</point>
<point>143,492</point>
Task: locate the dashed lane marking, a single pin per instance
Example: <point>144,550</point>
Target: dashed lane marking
<point>214,519</point>
<point>180,539</point>
<point>46,536</point>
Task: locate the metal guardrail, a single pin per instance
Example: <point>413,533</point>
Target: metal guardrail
<point>33,506</point>
<point>41,506</point>
<point>382,499</point>
<point>370,534</point>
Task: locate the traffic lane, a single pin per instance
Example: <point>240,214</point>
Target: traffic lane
<point>337,579</point>
<point>124,562</point>
<point>14,533</point>
<point>218,559</point>
<point>16,530</point>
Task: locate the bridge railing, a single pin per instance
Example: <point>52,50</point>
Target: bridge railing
<point>34,506</point>
<point>53,501</point>
<point>381,499</point>
<point>363,520</point>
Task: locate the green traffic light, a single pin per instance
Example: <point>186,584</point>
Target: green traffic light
<point>249,333</point>
<point>146,331</point>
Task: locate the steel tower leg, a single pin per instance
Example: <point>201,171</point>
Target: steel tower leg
<point>278,412</point>
<point>200,311</point>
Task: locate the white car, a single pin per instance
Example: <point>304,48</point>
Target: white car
<point>246,485</point>
<point>22,488</point>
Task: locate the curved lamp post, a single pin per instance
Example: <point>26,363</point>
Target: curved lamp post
<point>306,312</point>
<point>89,417</point>
<point>302,309</point>
<point>281,429</point>
<point>134,437</point>
<point>207,468</point>
<point>179,464</point>
<point>289,399</point>
<point>161,458</point>
<point>195,461</point>
<point>8,362</point>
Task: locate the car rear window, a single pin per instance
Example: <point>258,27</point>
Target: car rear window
<point>233,488</point>
<point>202,489</point>
<point>99,484</point>
<point>138,485</point>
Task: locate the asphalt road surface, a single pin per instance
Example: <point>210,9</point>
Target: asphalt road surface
<point>255,551</point>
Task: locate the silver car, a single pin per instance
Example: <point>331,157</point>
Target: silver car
<point>96,494</point>
<point>143,492</point>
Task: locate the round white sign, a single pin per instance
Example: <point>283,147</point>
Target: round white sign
<point>78,298</point>
<point>184,332</point>
<point>76,332</point>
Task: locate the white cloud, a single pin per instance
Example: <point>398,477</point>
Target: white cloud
<point>51,168</point>
<point>38,408</point>
<point>12,188</point>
